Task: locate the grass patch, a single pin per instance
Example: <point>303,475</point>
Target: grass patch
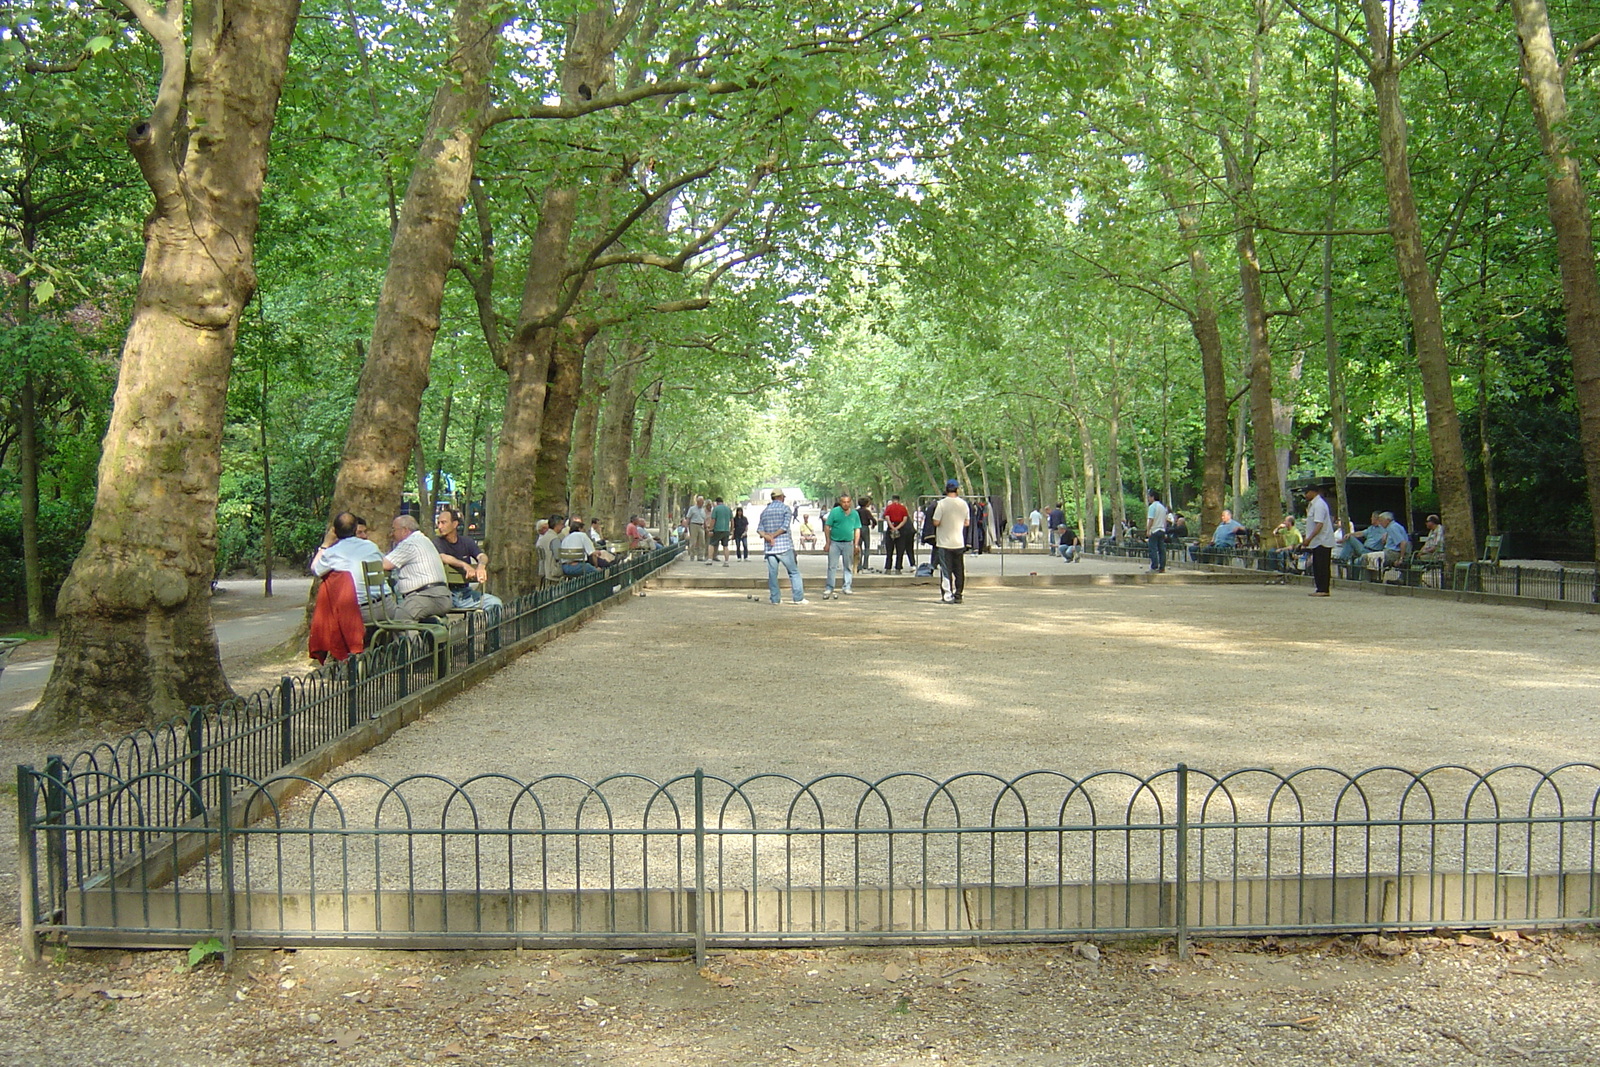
<point>27,635</point>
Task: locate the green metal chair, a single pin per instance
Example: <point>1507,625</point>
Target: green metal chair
<point>1467,574</point>
<point>384,619</point>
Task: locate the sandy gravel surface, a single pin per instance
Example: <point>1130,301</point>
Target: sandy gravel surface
<point>1070,678</point>
<point>1075,679</point>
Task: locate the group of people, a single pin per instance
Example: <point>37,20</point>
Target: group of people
<point>712,527</point>
<point>416,565</point>
<point>846,528</point>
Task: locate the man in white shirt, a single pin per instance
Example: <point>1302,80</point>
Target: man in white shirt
<point>951,517</point>
<point>576,539</point>
<point>1155,532</point>
<point>1319,539</point>
<point>343,549</point>
<point>419,573</point>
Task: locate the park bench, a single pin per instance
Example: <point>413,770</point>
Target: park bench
<point>385,621</point>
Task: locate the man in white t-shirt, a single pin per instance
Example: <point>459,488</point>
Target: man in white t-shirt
<point>1319,539</point>
<point>1155,531</point>
<point>951,517</point>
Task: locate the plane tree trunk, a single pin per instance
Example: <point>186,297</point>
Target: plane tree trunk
<point>136,636</point>
<point>383,427</point>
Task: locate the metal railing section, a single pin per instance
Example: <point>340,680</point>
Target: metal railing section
<point>700,860</point>
<point>173,768</point>
<point>1577,585</point>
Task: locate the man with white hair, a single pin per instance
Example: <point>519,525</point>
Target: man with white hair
<point>418,571</point>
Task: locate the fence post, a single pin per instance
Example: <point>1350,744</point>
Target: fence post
<point>352,673</point>
<point>471,635</point>
<point>285,721</point>
<point>699,867</point>
<point>28,853</point>
<point>55,817</point>
<point>225,831</point>
<point>1181,895</point>
<point>197,721</point>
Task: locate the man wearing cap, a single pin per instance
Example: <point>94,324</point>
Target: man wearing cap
<point>778,547</point>
<point>951,517</point>
<point>1319,539</point>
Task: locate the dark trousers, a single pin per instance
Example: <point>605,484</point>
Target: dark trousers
<point>953,562</point>
<point>1321,565</point>
<point>898,548</point>
<point>1158,551</point>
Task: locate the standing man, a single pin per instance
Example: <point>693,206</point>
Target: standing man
<point>721,523</point>
<point>1035,522</point>
<point>842,528</point>
<point>777,545</point>
<point>458,550</point>
<point>1055,520</point>
<point>1319,538</point>
<point>951,517</point>
<point>898,542</point>
<point>418,572</point>
<point>695,520</point>
<point>1155,531</point>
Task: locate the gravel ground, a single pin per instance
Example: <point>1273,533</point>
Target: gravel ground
<point>1076,679</point>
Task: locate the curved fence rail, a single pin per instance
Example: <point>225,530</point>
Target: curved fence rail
<point>698,859</point>
<point>174,768</point>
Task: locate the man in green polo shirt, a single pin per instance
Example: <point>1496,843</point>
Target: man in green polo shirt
<point>721,527</point>
<point>843,526</point>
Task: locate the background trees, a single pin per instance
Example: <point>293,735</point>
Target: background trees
<point>597,254</point>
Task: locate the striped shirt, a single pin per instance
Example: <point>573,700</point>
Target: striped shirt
<point>775,518</point>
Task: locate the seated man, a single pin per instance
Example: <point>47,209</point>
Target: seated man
<point>418,572</point>
<point>1288,538</point>
<point>458,550</point>
<point>1224,536</point>
<point>576,539</point>
<point>1432,549</point>
<point>1019,532</point>
<point>1068,545</point>
<point>345,549</point>
<point>1395,544</point>
<point>545,548</point>
<point>639,538</point>
<point>1370,540</point>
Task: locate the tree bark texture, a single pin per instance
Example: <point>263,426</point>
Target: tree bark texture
<point>586,432</point>
<point>614,449</point>
<point>565,380</point>
<point>136,636</point>
<point>1572,222</point>
<point>513,566</point>
<point>383,427</point>
<point>1422,294</point>
<point>1213,373</point>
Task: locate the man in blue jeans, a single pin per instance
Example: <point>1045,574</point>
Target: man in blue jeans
<point>778,547</point>
<point>1155,530</point>
<point>843,527</point>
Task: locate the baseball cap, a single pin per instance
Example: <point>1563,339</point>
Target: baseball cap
<point>951,484</point>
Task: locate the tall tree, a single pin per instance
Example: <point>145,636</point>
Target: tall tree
<point>136,636</point>
<point>1544,75</point>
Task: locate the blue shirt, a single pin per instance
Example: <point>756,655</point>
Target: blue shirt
<point>1373,537</point>
<point>1395,536</point>
<point>1225,532</point>
<point>775,519</point>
